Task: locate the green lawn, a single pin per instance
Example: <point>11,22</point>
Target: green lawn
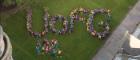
<point>79,45</point>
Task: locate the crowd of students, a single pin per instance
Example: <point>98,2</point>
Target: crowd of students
<point>78,14</point>
<point>48,47</point>
<point>104,24</point>
<point>88,16</point>
<point>54,19</point>
<point>29,24</point>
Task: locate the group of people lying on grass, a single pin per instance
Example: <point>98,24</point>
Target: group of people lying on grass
<point>104,24</point>
<point>54,19</point>
<point>29,24</point>
<point>78,14</point>
<point>48,47</point>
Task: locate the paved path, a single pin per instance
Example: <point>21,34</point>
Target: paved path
<point>115,41</point>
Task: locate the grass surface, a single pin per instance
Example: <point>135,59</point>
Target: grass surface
<point>76,46</point>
